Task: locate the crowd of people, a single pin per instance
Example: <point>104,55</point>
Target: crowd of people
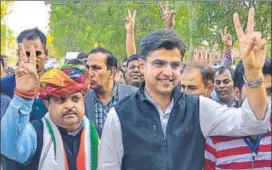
<point>150,112</point>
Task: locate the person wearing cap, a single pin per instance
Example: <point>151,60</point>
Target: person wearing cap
<point>64,138</point>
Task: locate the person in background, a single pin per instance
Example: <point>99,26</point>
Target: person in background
<point>250,152</point>
<point>30,37</point>
<point>64,138</point>
<point>134,75</point>
<point>83,56</point>
<point>2,67</point>
<point>124,64</point>
<point>226,39</point>
<point>104,92</point>
<point>7,70</point>
<point>226,60</point>
<point>223,85</point>
<point>119,76</point>
<point>197,79</point>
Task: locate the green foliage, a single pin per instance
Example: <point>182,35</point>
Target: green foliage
<point>6,34</point>
<point>83,25</point>
<point>214,15</point>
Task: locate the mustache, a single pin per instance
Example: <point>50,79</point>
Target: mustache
<point>70,111</point>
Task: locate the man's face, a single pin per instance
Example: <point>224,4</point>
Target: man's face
<point>192,83</point>
<point>224,86</point>
<point>162,71</point>
<point>68,111</point>
<point>134,75</point>
<point>41,54</point>
<point>99,73</point>
<point>124,65</point>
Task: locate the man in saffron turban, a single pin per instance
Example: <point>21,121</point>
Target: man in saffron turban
<point>64,139</point>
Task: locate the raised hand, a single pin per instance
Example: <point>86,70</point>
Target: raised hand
<point>167,16</point>
<point>27,78</point>
<point>226,38</point>
<point>130,21</point>
<point>252,45</point>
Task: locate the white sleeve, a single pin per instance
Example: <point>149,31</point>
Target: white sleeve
<point>111,151</point>
<point>220,120</point>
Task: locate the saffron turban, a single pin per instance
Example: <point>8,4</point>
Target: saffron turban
<point>69,79</point>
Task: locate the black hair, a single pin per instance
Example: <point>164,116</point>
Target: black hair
<point>222,69</point>
<point>111,59</point>
<point>207,72</point>
<point>240,72</point>
<point>161,39</point>
<point>32,34</point>
<point>76,62</point>
<point>133,57</point>
<point>125,60</point>
<point>82,55</point>
<point>267,68</point>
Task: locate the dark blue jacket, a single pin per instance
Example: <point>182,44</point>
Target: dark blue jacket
<point>71,145</point>
<point>8,85</point>
<point>145,145</point>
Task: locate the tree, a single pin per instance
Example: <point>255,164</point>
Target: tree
<point>83,25</point>
<point>214,15</point>
<point>80,26</point>
<point>7,37</point>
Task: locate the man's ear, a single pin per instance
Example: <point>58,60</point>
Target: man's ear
<point>141,64</point>
<point>113,71</point>
<point>46,103</point>
<point>236,93</point>
<point>210,88</point>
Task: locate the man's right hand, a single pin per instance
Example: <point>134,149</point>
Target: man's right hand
<point>226,39</point>
<point>167,16</point>
<point>130,22</point>
<point>27,78</point>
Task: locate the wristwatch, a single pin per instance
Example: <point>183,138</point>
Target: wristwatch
<point>254,84</point>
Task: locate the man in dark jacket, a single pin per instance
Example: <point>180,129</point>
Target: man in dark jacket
<point>104,92</point>
<point>160,128</point>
